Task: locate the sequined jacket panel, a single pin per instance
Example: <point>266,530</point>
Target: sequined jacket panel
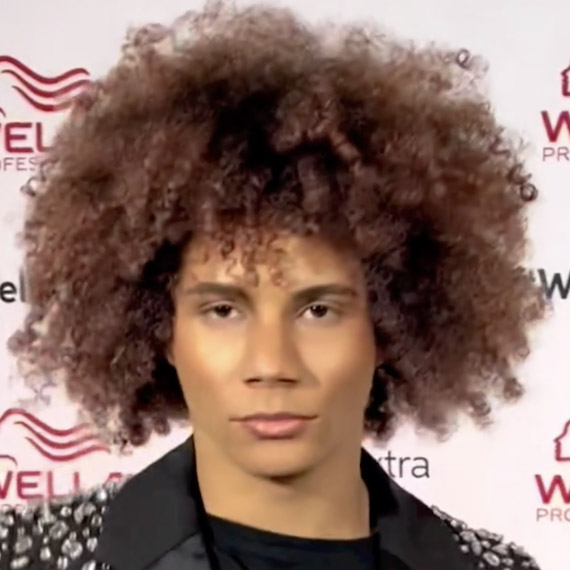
<point>153,522</point>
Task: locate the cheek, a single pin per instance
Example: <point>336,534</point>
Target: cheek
<point>206,365</point>
<point>344,363</point>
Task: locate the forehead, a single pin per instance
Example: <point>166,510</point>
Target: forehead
<point>291,260</point>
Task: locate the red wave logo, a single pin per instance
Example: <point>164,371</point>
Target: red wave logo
<point>47,94</point>
<point>558,453</point>
<point>58,445</point>
<point>9,458</point>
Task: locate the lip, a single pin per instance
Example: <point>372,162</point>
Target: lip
<point>276,426</point>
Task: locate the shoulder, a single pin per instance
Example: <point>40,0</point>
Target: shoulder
<point>60,533</point>
<point>63,534</point>
<point>488,550</point>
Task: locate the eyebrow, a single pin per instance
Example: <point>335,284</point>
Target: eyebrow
<point>301,296</point>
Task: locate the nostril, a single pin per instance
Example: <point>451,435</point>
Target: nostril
<point>273,379</point>
<point>253,381</point>
<point>287,380</point>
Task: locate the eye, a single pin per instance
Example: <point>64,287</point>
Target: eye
<point>221,311</point>
<point>319,311</point>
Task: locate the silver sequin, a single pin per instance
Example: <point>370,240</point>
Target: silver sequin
<point>23,544</point>
<point>102,495</point>
<point>89,509</point>
<point>490,549</point>
<point>59,530</point>
<point>501,549</point>
<point>79,514</point>
<point>45,514</point>
<point>467,536</point>
<point>28,514</point>
<point>476,548</point>
<point>491,558</point>
<point>67,529</point>
<point>91,544</point>
<point>64,529</point>
<point>72,548</point>
<point>65,511</point>
<point>45,554</point>
<point>19,562</point>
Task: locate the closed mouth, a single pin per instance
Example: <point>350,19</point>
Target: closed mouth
<point>282,416</point>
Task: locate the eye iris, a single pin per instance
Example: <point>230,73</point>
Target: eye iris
<point>223,310</point>
<point>319,310</point>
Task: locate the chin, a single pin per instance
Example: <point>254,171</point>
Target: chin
<point>280,459</point>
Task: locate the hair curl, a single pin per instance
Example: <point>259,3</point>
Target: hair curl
<point>238,120</point>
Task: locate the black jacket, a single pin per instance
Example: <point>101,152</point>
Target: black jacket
<point>153,522</point>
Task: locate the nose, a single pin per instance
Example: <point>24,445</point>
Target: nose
<point>272,356</point>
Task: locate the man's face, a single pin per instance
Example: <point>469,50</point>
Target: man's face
<point>303,347</point>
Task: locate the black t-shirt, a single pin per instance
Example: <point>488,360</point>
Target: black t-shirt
<point>239,547</point>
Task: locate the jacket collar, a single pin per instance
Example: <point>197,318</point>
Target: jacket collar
<point>152,513</point>
<point>160,508</point>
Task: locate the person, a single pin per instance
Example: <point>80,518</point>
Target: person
<point>289,237</point>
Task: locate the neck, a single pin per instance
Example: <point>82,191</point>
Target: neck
<point>314,505</point>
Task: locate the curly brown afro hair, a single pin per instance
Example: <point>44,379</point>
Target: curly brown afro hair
<point>241,120</point>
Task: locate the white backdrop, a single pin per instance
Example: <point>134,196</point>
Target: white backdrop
<point>513,478</point>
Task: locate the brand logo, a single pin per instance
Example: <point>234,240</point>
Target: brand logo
<point>13,290</point>
<point>24,137</point>
<point>40,461</point>
<point>565,83</point>
<point>555,284</point>
<point>556,126</point>
<point>554,489</point>
<point>403,467</point>
<point>562,444</point>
